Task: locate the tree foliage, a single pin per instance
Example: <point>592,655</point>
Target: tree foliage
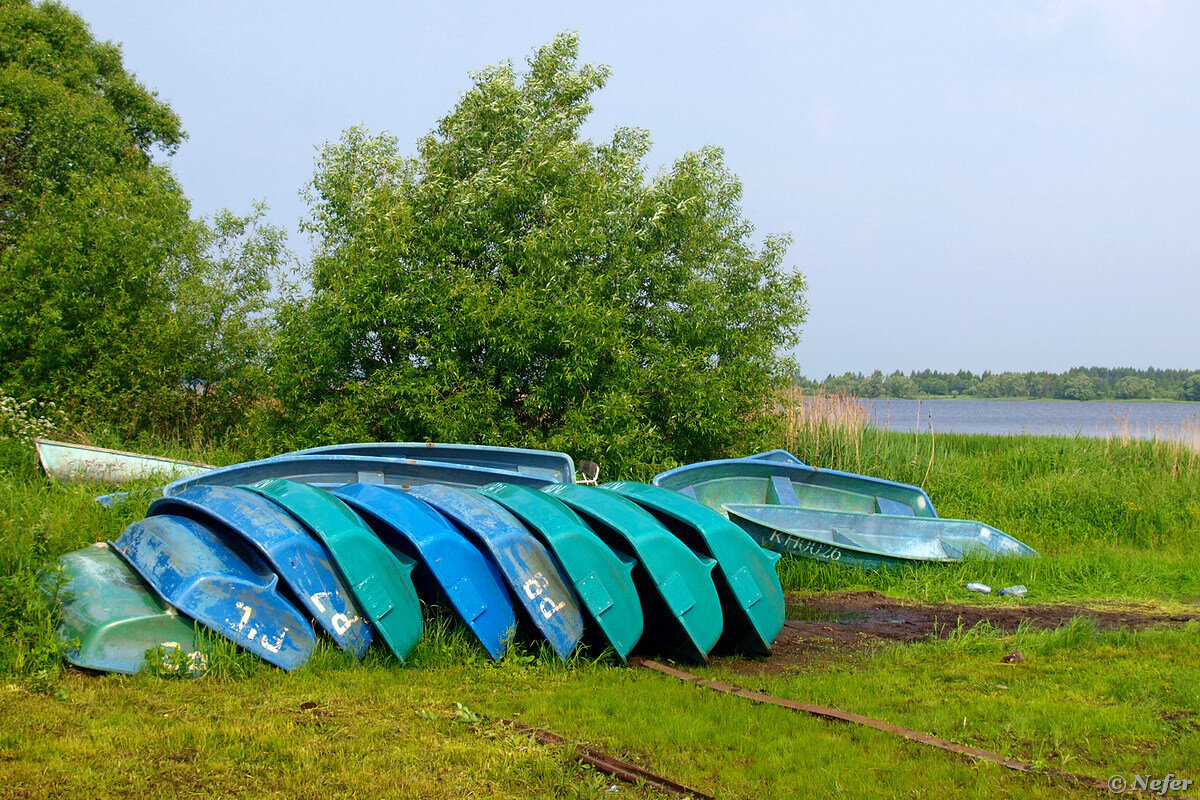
<point>514,282</point>
<point>90,227</point>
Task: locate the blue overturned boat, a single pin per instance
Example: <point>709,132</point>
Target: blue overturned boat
<point>602,579</point>
<point>555,467</point>
<point>679,600</point>
<point>871,541</point>
<point>526,564</point>
<point>762,480</point>
<point>215,578</point>
<point>380,578</point>
<point>331,471</point>
<point>448,566</point>
<point>745,577</point>
<point>300,561</point>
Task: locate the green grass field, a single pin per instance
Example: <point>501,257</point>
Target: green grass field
<point>1116,522</point>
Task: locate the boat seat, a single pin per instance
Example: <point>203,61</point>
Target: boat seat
<point>690,491</point>
<point>951,551</point>
<point>843,537</point>
<point>783,491</point>
<point>887,506</point>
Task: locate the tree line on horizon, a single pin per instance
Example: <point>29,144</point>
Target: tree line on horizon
<point>1078,383</point>
<point>508,281</point>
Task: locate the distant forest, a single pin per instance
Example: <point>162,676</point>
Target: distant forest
<point>1080,383</point>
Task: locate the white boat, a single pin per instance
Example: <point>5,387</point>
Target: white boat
<point>80,462</point>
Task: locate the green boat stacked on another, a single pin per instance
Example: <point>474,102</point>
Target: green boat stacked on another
<point>602,578</point>
<point>679,601</point>
<point>379,577</point>
<point>111,618</point>
<point>745,577</point>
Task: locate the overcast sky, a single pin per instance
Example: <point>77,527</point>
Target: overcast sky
<point>970,185</point>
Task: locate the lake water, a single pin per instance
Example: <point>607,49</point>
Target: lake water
<point>1039,417</point>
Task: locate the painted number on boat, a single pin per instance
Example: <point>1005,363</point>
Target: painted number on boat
<point>537,586</point>
<point>795,544</point>
<point>340,622</point>
<point>248,612</point>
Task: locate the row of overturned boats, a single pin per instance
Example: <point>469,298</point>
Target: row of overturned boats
<point>362,543</point>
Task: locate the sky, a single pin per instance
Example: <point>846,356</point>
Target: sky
<point>968,184</point>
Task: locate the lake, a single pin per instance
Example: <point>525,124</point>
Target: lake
<point>1039,417</point>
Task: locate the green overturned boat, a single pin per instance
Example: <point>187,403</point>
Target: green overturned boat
<point>379,577</point>
<point>745,577</point>
<point>680,606</point>
<point>871,540</point>
<point>111,617</point>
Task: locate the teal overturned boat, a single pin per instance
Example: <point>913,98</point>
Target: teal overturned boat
<point>679,600</point>
<point>871,540</point>
<point>763,479</point>
<point>379,578</point>
<point>749,588</point>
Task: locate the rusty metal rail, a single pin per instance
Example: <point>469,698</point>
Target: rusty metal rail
<point>887,727</point>
<point>611,765</point>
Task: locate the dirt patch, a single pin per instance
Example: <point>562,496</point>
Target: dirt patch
<point>847,621</point>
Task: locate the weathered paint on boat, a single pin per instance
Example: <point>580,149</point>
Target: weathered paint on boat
<point>871,540</point>
<point>749,588</point>
<point>782,456</point>
<point>301,562</point>
<point>215,578</point>
<point>447,564</point>
<point>679,600</point>
<point>716,483</point>
<point>111,617</point>
<point>528,567</point>
<point>328,472</point>
<point>554,466</point>
<point>602,579</point>
<point>79,462</point>
<point>379,578</point>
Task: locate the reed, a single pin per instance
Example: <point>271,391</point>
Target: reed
<point>827,428</point>
<point>833,431</point>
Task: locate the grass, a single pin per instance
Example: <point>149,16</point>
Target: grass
<point>1115,521</point>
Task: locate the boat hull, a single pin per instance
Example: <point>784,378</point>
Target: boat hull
<point>680,605</point>
<point>77,462</point>
<point>527,566</point>
<point>755,480</point>
<point>217,580</point>
<point>448,566</point>
<point>872,541</point>
<point>555,467</point>
<point>602,580</point>
<point>331,471</point>
<point>746,580</point>
<point>115,617</point>
<point>299,560</point>
<point>380,579</point>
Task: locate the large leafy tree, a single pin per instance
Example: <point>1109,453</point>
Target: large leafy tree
<point>93,233</point>
<point>516,283</point>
